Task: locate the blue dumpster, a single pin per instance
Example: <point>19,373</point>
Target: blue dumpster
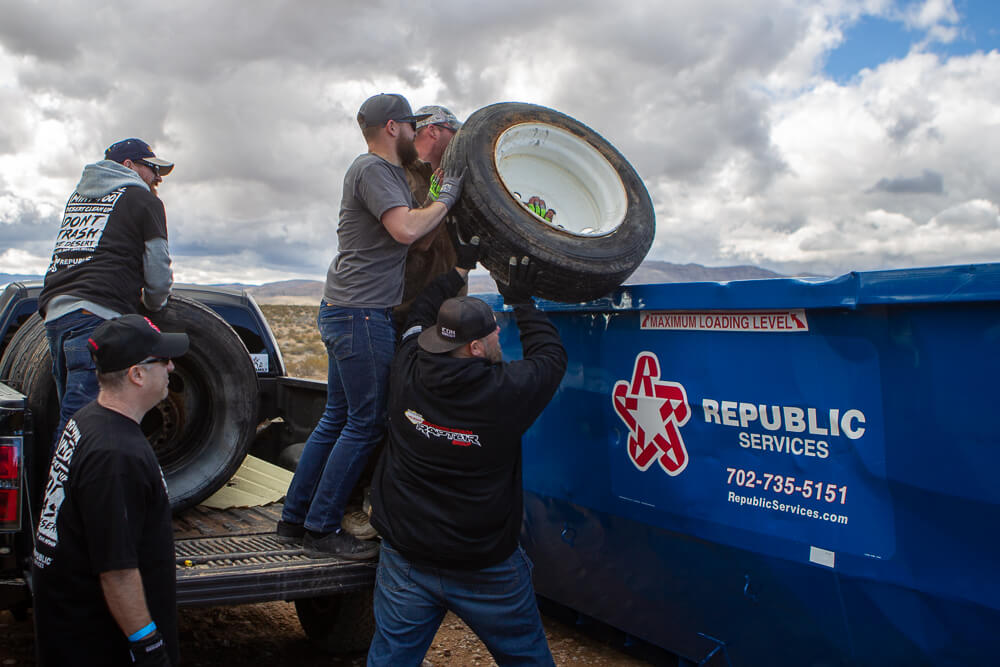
<point>777,472</point>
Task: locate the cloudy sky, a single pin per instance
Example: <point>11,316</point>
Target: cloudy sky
<point>799,135</point>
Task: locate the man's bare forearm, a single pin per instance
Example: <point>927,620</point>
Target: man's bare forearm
<point>126,599</point>
<point>410,225</point>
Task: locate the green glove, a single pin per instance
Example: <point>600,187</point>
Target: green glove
<point>435,190</point>
<point>537,206</point>
<point>446,187</point>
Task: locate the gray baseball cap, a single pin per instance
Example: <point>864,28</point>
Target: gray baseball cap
<point>379,109</point>
<point>438,116</point>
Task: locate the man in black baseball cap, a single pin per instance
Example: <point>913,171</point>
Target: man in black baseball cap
<point>137,150</point>
<point>103,568</point>
<point>446,494</point>
<point>379,219</point>
<point>379,109</point>
<point>133,339</point>
<point>110,257</point>
<point>463,320</point>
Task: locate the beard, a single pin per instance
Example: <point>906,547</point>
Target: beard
<point>406,150</point>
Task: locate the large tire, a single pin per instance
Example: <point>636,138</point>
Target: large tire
<point>342,623</point>
<point>27,364</point>
<point>604,222</point>
<point>200,432</point>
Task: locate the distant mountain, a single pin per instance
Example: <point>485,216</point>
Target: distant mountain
<point>284,291</point>
<point>289,288</point>
<point>651,272</point>
<point>311,291</point>
<point>16,277</point>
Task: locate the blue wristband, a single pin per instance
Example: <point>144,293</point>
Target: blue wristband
<point>144,632</point>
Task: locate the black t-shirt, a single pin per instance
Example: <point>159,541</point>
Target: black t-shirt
<point>99,251</point>
<point>105,508</point>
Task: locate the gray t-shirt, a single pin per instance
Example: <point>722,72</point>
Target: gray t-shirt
<point>368,269</point>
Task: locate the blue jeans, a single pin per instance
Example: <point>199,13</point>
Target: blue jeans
<point>360,343</point>
<point>497,602</point>
<point>73,368</point>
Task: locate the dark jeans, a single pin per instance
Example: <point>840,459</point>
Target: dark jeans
<point>360,343</point>
<point>73,368</point>
<point>497,602</point>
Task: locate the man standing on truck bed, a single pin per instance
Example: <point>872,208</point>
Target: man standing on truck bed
<point>378,221</point>
<point>447,495</point>
<point>110,255</point>
<point>103,573</point>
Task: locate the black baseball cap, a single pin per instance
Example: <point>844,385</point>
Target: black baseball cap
<point>125,341</point>
<point>380,109</point>
<point>135,150</point>
<point>460,320</point>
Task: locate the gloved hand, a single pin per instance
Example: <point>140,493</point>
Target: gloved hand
<point>435,187</point>
<point>520,281</point>
<point>150,651</point>
<point>446,186</point>
<point>468,253</point>
<point>537,206</point>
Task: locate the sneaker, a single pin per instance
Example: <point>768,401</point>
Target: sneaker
<point>358,525</point>
<point>290,532</point>
<point>339,545</point>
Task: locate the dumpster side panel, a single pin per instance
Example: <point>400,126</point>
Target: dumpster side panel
<point>809,484</point>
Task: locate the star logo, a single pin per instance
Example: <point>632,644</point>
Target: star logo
<point>654,410</point>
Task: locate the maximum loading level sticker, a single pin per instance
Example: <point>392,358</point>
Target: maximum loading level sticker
<point>782,321</point>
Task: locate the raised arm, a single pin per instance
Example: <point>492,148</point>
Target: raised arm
<point>408,225</point>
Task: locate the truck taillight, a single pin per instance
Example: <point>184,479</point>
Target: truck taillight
<point>10,483</point>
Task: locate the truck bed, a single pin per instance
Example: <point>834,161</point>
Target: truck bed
<point>232,557</point>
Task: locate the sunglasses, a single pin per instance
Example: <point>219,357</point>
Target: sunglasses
<point>154,360</point>
<point>153,167</point>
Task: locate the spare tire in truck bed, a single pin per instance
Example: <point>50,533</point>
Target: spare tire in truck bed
<point>200,432</point>
<point>604,221</point>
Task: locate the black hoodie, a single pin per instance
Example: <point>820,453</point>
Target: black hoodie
<point>447,488</point>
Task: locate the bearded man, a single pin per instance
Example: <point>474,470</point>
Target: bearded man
<point>379,219</point>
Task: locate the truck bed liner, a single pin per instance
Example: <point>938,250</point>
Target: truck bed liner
<point>232,557</point>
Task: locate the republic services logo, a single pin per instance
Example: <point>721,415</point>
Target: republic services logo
<point>654,410</point>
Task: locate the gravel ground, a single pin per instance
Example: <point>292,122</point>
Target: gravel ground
<point>269,634</point>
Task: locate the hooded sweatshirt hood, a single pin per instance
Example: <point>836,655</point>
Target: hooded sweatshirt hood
<point>451,376</point>
<point>106,176</point>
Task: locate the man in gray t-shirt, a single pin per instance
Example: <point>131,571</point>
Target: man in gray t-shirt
<point>378,221</point>
<point>368,269</point>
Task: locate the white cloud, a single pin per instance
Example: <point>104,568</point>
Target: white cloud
<point>15,260</point>
<point>750,153</point>
<point>929,14</point>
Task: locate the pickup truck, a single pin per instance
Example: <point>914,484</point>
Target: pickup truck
<point>228,397</point>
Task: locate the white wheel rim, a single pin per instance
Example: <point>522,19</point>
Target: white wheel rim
<point>570,175</point>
